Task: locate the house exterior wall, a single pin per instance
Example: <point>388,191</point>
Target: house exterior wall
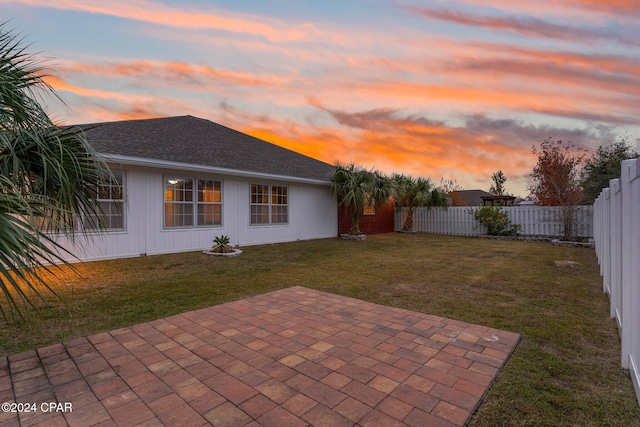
<point>312,215</point>
<point>381,222</point>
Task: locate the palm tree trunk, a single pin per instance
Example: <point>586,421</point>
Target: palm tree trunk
<point>408,222</point>
<point>355,223</point>
<point>568,213</point>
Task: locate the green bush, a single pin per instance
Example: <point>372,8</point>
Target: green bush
<point>222,245</point>
<point>496,220</point>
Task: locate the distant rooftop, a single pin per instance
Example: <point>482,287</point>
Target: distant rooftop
<point>196,141</point>
<point>493,200</point>
<point>469,197</point>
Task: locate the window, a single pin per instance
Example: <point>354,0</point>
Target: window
<point>369,206</point>
<point>182,209</point>
<point>279,205</point>
<point>259,204</point>
<point>269,204</point>
<point>209,203</point>
<point>110,198</point>
<point>178,202</point>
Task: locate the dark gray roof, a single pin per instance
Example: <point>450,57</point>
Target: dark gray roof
<point>188,139</point>
<point>472,197</point>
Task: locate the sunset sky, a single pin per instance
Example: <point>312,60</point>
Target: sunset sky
<point>453,89</point>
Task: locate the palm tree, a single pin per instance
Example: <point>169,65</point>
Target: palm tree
<point>412,193</point>
<point>356,187</point>
<point>46,173</point>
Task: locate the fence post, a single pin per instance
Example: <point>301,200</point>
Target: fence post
<point>626,328</point>
<point>615,269</point>
<point>633,283</point>
<point>606,242</point>
<point>597,229</point>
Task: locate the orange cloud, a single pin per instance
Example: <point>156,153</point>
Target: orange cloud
<point>179,73</point>
<point>185,17</point>
<point>625,65</point>
<point>482,97</point>
<point>102,105</point>
<point>60,85</point>
<point>394,142</point>
<point>587,87</point>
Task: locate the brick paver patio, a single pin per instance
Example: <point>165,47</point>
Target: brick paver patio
<point>293,357</point>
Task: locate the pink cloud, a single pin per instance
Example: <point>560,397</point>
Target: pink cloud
<point>177,73</point>
<point>187,18</point>
<point>527,26</point>
<point>579,9</point>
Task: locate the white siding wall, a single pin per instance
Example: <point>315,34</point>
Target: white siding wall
<point>312,215</point>
<point>118,244</point>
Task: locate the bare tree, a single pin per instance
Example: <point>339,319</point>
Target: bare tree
<point>452,188</point>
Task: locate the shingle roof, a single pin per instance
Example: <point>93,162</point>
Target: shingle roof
<point>471,197</point>
<point>192,140</point>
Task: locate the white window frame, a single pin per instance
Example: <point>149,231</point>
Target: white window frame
<point>269,203</point>
<point>276,202</point>
<point>259,199</point>
<point>217,190</point>
<point>106,203</point>
<point>194,203</point>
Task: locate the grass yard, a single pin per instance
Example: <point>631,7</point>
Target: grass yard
<point>565,371</point>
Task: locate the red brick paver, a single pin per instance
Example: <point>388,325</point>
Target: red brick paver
<point>291,357</point>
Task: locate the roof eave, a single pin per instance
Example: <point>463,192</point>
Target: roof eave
<point>165,164</point>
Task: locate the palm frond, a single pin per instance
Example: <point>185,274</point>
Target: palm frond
<point>355,187</point>
<point>412,193</point>
<point>46,176</point>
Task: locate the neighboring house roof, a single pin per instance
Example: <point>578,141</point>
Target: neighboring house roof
<point>471,197</point>
<point>188,140</point>
<point>498,200</point>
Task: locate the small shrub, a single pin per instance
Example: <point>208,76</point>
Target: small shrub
<point>222,240</point>
<point>496,220</point>
<point>222,245</point>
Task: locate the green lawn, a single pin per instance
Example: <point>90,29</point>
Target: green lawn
<point>565,371</point>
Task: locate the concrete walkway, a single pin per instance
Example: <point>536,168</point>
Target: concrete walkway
<point>293,357</point>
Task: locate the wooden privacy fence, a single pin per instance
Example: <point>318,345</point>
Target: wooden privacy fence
<point>544,221</point>
<point>617,241</point>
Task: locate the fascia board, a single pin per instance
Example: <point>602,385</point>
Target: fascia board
<point>164,164</point>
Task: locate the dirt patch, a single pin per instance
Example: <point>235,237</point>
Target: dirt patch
<point>567,263</point>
